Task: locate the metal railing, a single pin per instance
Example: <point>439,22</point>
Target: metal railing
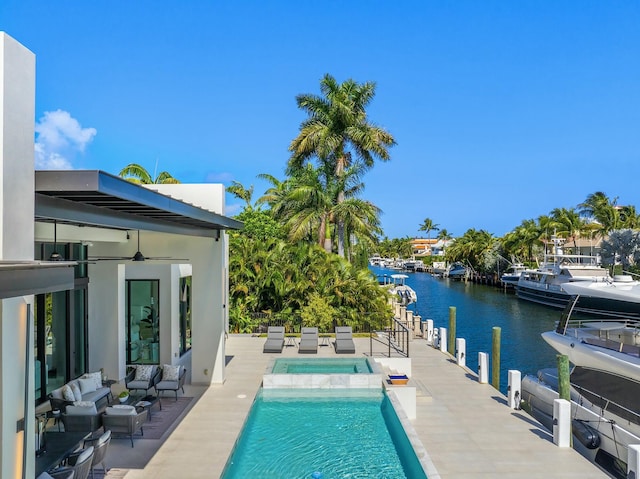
<point>397,338</point>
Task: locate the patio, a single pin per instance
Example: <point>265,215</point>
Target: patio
<point>466,427</point>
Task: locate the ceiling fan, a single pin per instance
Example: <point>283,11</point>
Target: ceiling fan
<point>138,256</point>
<point>55,255</point>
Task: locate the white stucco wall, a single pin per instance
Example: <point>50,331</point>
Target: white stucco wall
<point>17,113</point>
<point>106,324</point>
<point>205,260</point>
<point>208,196</point>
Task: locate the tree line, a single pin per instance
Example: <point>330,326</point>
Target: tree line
<point>598,218</point>
<point>302,254</point>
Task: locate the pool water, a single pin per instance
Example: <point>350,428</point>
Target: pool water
<point>328,435</point>
<point>321,366</point>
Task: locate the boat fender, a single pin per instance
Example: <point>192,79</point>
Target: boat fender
<point>587,435</point>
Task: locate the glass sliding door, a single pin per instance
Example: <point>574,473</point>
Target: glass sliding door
<point>143,321</point>
<point>185,314</point>
<point>51,326</point>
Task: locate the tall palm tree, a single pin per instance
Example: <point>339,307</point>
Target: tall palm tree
<point>428,225</point>
<point>336,129</point>
<point>307,206</point>
<point>139,175</point>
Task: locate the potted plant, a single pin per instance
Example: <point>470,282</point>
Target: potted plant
<point>123,396</point>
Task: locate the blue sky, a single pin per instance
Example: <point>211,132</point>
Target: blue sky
<point>502,110</point>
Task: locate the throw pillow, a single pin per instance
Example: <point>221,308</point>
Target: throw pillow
<point>87,385</point>
<point>170,373</point>
<point>84,403</point>
<point>143,373</point>
<point>67,393</point>
<point>97,379</point>
<point>57,393</point>
<point>77,394</point>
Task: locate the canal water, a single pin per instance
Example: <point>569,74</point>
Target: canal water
<point>478,309</point>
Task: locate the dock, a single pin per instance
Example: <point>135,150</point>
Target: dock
<point>466,427</point>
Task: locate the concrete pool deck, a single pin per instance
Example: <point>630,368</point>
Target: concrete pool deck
<point>466,427</point>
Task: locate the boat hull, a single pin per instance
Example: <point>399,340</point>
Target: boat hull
<point>548,296</point>
<point>592,431</point>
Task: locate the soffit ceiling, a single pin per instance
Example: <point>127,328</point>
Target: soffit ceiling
<point>93,197</point>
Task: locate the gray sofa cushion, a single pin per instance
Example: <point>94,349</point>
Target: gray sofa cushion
<point>96,395</point>
<point>138,385</point>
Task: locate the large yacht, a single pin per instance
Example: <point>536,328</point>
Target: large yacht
<point>617,298</point>
<point>544,285</point>
<point>605,385</point>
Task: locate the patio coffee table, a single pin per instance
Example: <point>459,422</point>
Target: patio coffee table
<point>144,402</point>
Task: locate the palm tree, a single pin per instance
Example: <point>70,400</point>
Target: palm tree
<point>139,175</point>
<point>568,223</point>
<point>599,207</point>
<point>238,190</point>
<point>428,225</point>
<point>444,235</point>
<point>338,128</point>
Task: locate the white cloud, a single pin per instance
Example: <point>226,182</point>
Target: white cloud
<point>59,137</point>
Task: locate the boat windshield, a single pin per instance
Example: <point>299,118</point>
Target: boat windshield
<point>616,394</point>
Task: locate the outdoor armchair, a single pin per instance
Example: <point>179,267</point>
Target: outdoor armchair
<point>81,422</point>
<point>275,340</point>
<point>142,378</point>
<point>125,424</point>
<point>171,384</point>
<point>78,465</point>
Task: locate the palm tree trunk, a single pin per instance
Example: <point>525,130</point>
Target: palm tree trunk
<point>326,241</point>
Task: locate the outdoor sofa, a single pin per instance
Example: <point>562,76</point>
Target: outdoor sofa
<point>86,388</point>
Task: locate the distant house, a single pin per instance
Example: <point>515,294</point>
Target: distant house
<point>423,246</point>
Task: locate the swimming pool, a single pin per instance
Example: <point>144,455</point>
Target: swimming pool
<point>324,434</point>
<point>321,366</point>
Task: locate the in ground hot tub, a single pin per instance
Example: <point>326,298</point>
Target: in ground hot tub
<point>330,373</point>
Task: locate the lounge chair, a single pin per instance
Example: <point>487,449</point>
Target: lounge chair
<point>275,340</point>
<point>344,340</point>
<point>308,340</point>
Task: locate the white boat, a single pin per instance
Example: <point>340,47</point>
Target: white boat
<point>439,268</point>
<point>511,276</point>
<point>605,385</point>
<point>544,285</point>
<point>457,271</point>
<point>401,292</point>
<point>619,298</point>
<point>413,265</point>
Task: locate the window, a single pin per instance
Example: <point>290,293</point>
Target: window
<point>143,324</point>
<point>185,314</point>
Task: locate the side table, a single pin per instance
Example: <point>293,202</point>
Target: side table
<point>108,383</point>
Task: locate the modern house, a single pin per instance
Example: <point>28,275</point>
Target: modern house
<point>96,272</point>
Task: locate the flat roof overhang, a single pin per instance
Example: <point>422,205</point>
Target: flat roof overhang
<point>21,278</point>
<point>96,198</point>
